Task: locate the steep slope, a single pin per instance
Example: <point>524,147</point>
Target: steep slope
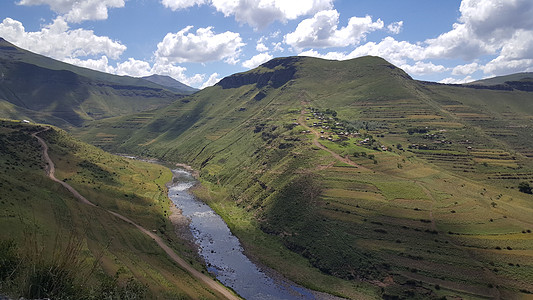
<point>44,90</point>
<point>171,84</point>
<point>377,180</point>
<point>54,246</point>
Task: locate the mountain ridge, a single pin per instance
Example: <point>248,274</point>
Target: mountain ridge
<point>45,90</point>
<point>252,139</point>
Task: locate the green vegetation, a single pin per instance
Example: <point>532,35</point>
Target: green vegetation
<point>347,177</point>
<point>52,245</point>
<point>44,90</point>
<point>370,177</point>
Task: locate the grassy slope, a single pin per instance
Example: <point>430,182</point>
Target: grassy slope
<point>45,90</point>
<point>36,209</point>
<point>409,219</point>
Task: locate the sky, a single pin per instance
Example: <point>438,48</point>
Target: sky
<point>199,42</point>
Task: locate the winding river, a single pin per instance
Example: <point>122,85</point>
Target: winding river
<point>222,251</point>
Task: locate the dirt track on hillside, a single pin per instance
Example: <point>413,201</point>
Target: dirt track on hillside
<point>50,171</point>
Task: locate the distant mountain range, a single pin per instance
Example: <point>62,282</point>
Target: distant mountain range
<point>45,90</point>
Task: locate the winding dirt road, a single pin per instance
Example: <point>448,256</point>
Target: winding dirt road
<point>50,171</point>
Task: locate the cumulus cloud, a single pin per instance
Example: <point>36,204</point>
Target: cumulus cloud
<point>101,64</point>
<point>321,31</point>
<point>423,68</point>
<point>496,19</point>
<point>396,52</point>
<point>261,47</point>
<point>277,47</point>
<point>499,29</point>
<point>484,28</point>
<point>465,69</point>
<point>76,11</point>
<point>182,4</point>
<point>257,60</point>
<point>257,13</point>
<point>57,40</point>
<point>450,80</point>
<point>213,79</point>
<point>395,27</point>
<point>177,72</point>
<point>202,46</point>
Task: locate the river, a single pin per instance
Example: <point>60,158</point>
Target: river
<point>223,253</point>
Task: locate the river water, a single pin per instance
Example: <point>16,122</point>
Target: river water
<point>223,253</point>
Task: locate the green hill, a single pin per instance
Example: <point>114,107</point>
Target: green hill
<point>54,246</point>
<point>44,90</point>
<point>519,81</point>
<point>380,183</point>
<point>504,79</point>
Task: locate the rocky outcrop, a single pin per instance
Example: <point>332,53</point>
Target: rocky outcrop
<point>281,71</point>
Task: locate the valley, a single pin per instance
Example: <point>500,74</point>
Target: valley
<point>347,177</point>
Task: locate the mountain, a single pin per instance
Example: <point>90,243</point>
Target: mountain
<point>503,79</point>
<point>45,90</point>
<point>518,81</point>
<point>172,84</point>
<point>370,183</point>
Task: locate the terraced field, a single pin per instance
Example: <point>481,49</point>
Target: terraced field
<point>370,183</point>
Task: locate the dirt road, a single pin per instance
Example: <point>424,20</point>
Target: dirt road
<point>50,171</point>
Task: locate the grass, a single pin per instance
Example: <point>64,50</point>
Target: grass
<point>70,237</point>
<point>451,153</point>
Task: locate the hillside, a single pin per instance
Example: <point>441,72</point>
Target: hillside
<point>503,79</point>
<point>54,246</point>
<point>375,179</point>
<point>44,90</point>
<point>171,84</point>
<point>518,81</point>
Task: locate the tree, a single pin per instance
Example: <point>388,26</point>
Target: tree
<point>524,187</point>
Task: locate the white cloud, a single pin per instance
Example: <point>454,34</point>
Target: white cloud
<point>502,66</point>
<point>257,60</point>
<point>182,4</point>
<point>329,55</point>
<point>58,41</point>
<point>451,80</point>
<point>277,47</point>
<point>261,47</point>
<point>260,13</point>
<point>485,26</point>
<point>423,68</point>
<point>257,13</point>
<point>78,10</point>
<point>465,69</point>
<point>101,64</point>
<point>133,67</point>
<point>496,19</point>
<point>395,27</point>
<point>396,52</point>
<point>213,79</point>
<point>202,46</point>
<point>321,31</point>
<point>177,72</point>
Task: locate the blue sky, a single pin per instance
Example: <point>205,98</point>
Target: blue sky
<point>201,41</point>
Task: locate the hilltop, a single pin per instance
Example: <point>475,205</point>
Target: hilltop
<point>381,184</point>
<point>42,89</point>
